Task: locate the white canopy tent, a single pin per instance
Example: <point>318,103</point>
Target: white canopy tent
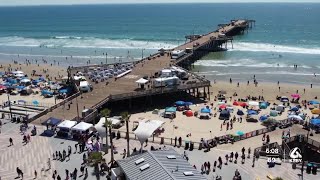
<point>142,81</point>
<point>100,125</point>
<point>82,126</point>
<point>146,129</point>
<point>67,124</point>
<point>253,103</point>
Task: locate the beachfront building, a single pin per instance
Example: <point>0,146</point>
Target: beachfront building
<point>164,163</point>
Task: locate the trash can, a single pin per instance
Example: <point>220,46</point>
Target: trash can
<point>314,169</point>
<point>309,166</point>
<point>186,145</point>
<point>191,146</point>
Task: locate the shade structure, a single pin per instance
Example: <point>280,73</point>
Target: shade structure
<point>18,75</point>
<point>35,102</point>
<point>189,113</point>
<point>263,105</point>
<point>146,129</point>
<point>315,111</point>
<point>100,128</point>
<point>313,102</point>
<point>17,72</point>
<point>224,115</point>
<point>46,92</point>
<point>240,113</point>
<point>252,112</point>
<point>67,124</point>
<point>188,103</point>
<point>51,121</point>
<point>179,103</point>
<point>253,103</point>
<point>205,110</point>
<point>240,133</point>
<point>20,87</point>
<point>294,109</point>
<point>315,122</point>
<point>171,109</point>
<point>235,103</point>
<point>25,80</point>
<point>223,106</point>
<point>284,99</point>
<point>280,108</point>
<point>295,95</point>
<point>263,117</point>
<point>242,104</point>
<point>82,126</point>
<point>295,117</point>
<point>273,113</point>
<point>2,87</point>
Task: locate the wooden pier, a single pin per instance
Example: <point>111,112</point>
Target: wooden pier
<point>126,88</point>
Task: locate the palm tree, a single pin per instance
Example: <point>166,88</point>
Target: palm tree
<point>106,113</point>
<point>108,124</point>
<point>126,116</point>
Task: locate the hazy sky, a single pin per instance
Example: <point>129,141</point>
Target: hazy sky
<point>55,2</point>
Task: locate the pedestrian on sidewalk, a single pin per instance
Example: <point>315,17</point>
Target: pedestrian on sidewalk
<point>253,160</point>
<point>236,157</point>
<point>214,166</point>
<point>243,157</point>
<point>35,174</point>
<point>227,157</point>
<point>11,141</point>
<point>249,152</point>
<point>231,157</point>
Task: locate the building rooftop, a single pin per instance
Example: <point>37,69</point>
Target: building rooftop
<point>160,164</point>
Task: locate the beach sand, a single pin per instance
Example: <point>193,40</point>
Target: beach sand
<point>53,72</point>
<point>201,128</point>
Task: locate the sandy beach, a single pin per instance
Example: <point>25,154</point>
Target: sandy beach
<point>183,125</point>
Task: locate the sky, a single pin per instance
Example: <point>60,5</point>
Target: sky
<point>69,2</point>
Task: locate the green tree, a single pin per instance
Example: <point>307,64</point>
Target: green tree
<point>108,124</point>
<point>106,113</point>
<point>126,117</point>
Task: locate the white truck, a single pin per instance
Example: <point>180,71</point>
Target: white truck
<point>84,86</point>
<point>177,54</point>
<point>163,82</point>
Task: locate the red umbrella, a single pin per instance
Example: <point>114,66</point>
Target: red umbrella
<point>235,103</point>
<point>243,104</point>
<point>223,106</point>
<point>2,87</point>
<point>189,113</point>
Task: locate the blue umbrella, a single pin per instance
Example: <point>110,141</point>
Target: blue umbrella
<point>295,109</point>
<point>63,91</point>
<point>205,110</point>
<point>180,103</point>
<point>171,109</point>
<point>35,82</point>
<point>240,113</point>
<point>263,118</point>
<point>314,102</point>
<point>315,121</point>
<point>240,133</point>
<point>35,102</point>
<point>252,112</point>
<point>188,103</point>
<point>20,87</point>
<point>42,78</point>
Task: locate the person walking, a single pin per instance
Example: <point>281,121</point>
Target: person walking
<point>86,172</point>
<point>243,157</point>
<point>11,141</point>
<point>18,172</point>
<point>220,162</point>
<point>243,150</point>
<point>231,157</point>
<point>58,177</point>
<point>75,174</point>
<point>249,152</point>
<point>253,160</point>
<point>227,157</point>
<point>236,157</point>
<point>35,174</point>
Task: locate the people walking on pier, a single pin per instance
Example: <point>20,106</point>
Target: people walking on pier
<point>180,141</point>
<point>11,141</point>
<point>214,166</point>
<point>227,158</point>
<point>243,157</point>
<point>249,152</point>
<point>220,162</point>
<point>231,157</point>
<point>236,157</point>
<point>243,150</point>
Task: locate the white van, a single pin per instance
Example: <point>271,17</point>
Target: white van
<point>84,86</point>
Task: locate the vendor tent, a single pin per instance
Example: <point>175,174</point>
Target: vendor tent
<point>315,111</point>
<point>205,110</point>
<point>189,113</point>
<point>146,128</point>
<point>224,115</point>
<point>240,113</point>
<point>51,122</point>
<point>235,103</point>
<point>82,126</point>
<point>67,124</point>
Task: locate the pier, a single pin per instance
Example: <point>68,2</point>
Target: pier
<point>126,88</point>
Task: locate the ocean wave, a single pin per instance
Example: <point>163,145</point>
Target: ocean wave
<point>82,42</point>
<point>264,47</point>
<point>262,73</point>
<point>244,63</point>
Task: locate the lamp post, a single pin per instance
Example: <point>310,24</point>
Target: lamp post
<point>10,107</point>
<point>106,58</point>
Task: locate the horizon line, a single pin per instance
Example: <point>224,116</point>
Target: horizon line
<point>151,3</point>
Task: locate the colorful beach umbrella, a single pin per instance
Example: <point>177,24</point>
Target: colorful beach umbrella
<point>295,95</point>
<point>313,102</point>
<point>240,133</point>
<point>180,103</point>
<point>205,110</point>
<point>222,106</point>
<point>35,102</point>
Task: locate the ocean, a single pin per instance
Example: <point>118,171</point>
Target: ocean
<point>284,35</point>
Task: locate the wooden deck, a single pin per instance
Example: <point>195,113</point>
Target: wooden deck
<point>126,86</point>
